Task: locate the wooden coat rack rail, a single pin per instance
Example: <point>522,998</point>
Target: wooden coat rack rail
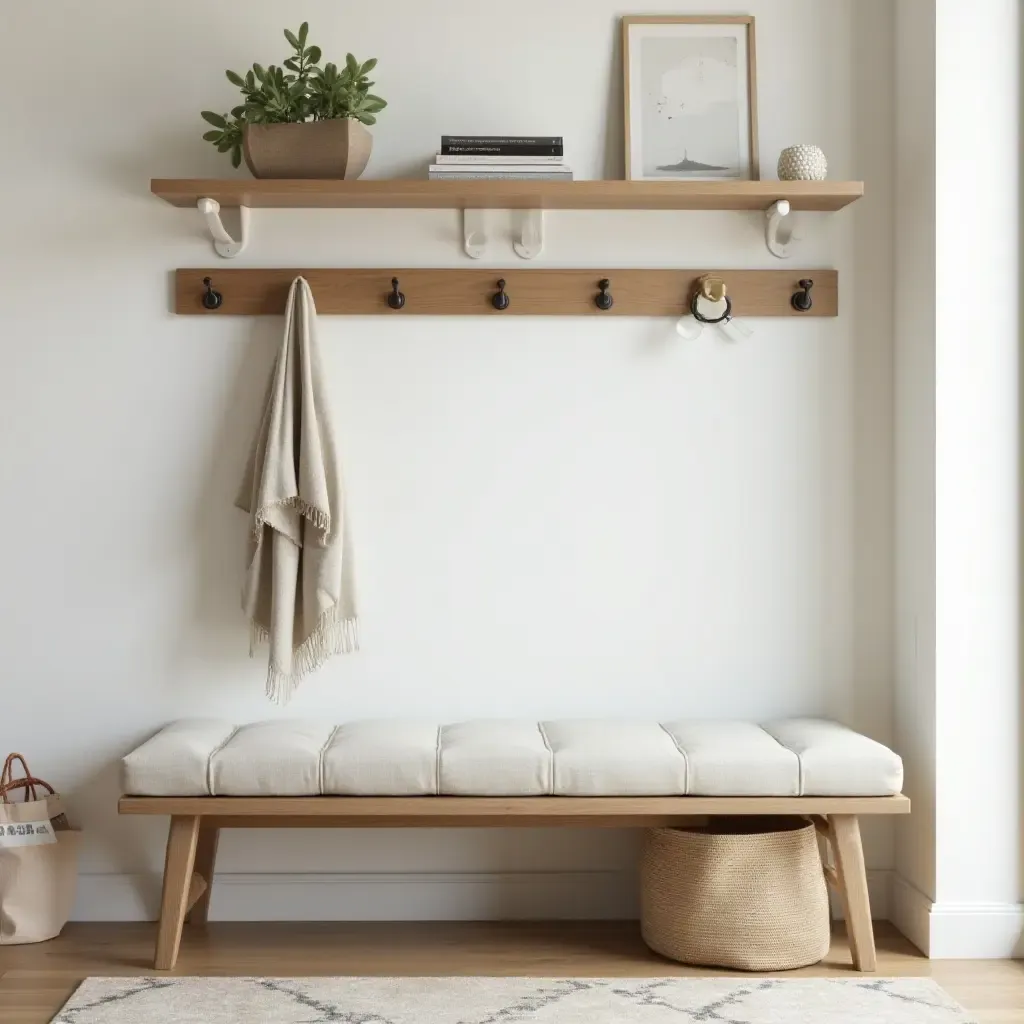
<point>533,292</point>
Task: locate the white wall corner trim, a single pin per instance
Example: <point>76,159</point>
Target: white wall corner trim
<point>909,912</point>
<point>957,931</point>
<point>396,896</point>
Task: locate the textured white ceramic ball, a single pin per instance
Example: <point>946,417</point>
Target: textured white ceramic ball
<point>802,163</point>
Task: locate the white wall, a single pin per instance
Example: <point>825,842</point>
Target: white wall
<point>958,708</point>
<point>551,517</point>
<point>915,458</point>
<point>978,483</point>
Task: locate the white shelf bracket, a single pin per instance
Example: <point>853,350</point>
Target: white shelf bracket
<point>224,244</point>
<point>474,233</point>
<point>778,230</point>
<point>528,242</point>
<point>527,233</point>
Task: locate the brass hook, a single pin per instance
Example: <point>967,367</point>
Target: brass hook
<point>712,288</point>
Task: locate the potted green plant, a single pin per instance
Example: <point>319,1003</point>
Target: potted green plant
<point>300,120</point>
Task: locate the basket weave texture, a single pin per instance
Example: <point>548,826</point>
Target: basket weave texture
<point>743,893</point>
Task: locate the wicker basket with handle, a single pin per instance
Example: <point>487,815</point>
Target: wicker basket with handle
<point>746,893</point>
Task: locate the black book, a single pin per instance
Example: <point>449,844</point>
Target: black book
<point>502,140</point>
<point>497,145</point>
<point>501,151</point>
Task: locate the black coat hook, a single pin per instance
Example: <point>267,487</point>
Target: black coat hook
<point>604,300</point>
<point>500,300</point>
<point>211,298</point>
<point>396,300</point>
<point>801,300</point>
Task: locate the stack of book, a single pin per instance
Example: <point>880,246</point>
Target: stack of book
<point>465,157</point>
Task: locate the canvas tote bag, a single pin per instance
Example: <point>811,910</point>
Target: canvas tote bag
<point>38,858</point>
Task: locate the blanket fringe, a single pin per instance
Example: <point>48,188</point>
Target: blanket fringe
<point>333,635</point>
<point>317,516</point>
<point>257,635</point>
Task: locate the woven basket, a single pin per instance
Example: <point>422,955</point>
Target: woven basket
<point>747,893</point>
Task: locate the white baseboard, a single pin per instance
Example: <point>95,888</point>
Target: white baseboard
<point>403,896</point>
<point>977,931</point>
<point>957,931</point>
<point>942,930</point>
<point>910,912</point>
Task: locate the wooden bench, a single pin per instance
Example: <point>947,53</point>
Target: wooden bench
<point>196,820</point>
<point>196,823</point>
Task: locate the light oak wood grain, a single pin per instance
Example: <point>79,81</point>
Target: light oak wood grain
<point>181,852</point>
<point>820,196</point>
<point>362,292</point>
<point>852,884</point>
<point>205,862</point>
<point>197,888</point>
<point>503,812</point>
<point>37,979</point>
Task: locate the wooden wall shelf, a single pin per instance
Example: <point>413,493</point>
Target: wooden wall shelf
<point>362,292</point>
<point>819,196</point>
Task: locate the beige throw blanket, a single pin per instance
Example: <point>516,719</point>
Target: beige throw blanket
<point>298,591</point>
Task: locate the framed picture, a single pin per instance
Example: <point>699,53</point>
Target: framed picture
<point>691,98</point>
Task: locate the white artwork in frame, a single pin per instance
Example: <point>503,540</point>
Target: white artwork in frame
<point>690,98</point>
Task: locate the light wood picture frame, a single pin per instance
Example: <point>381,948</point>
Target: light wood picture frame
<point>690,91</point>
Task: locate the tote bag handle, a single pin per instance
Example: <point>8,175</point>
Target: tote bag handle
<point>28,781</point>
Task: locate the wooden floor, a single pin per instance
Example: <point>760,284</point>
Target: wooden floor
<point>36,980</point>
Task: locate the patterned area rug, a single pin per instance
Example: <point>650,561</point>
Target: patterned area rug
<point>509,1000</point>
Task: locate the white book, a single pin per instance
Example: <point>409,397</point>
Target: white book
<point>502,168</point>
<point>469,158</point>
<point>470,174</point>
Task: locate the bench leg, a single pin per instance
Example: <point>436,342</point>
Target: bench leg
<point>206,857</point>
<point>852,879</point>
<point>182,839</point>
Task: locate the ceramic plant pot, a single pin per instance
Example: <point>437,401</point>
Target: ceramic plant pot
<point>802,163</point>
<point>312,149</point>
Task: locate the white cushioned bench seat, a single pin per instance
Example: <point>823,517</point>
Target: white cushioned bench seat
<point>794,757</point>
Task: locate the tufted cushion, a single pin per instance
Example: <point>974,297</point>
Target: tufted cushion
<point>493,758</point>
<point>795,757</point>
<point>385,758</point>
